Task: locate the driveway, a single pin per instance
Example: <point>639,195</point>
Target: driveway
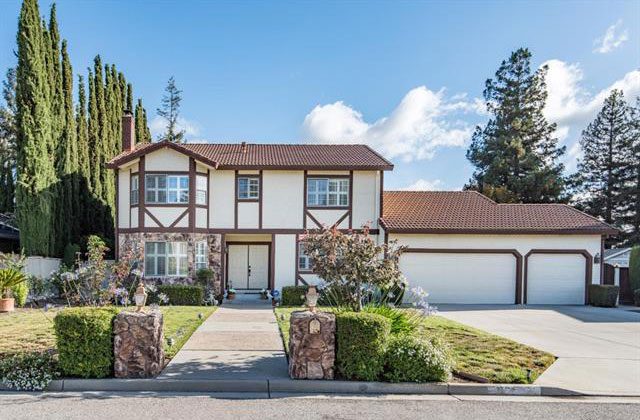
<point>598,349</point>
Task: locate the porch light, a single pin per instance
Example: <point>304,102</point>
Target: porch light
<point>140,297</point>
<point>312,298</point>
<point>596,258</point>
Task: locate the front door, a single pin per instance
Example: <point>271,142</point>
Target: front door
<point>248,266</point>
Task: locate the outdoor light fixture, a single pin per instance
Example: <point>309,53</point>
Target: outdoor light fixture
<point>596,259</point>
<point>140,297</point>
<point>312,298</point>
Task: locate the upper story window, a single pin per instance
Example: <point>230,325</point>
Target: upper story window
<point>201,189</point>
<point>328,192</point>
<point>134,190</point>
<point>160,189</point>
<point>248,188</point>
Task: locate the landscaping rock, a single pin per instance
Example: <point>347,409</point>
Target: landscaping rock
<point>312,345</point>
<point>138,344</point>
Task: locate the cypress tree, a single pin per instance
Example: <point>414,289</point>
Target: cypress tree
<point>129,101</point>
<point>35,168</point>
<point>84,169</point>
<point>143,135</point>
<point>95,157</point>
<point>606,145</point>
<point>8,143</point>
<point>516,154</point>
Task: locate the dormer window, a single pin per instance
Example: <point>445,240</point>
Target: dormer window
<point>166,189</point>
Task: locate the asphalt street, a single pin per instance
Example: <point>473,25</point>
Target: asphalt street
<point>198,406</point>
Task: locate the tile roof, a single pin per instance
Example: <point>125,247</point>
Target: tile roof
<point>281,156</point>
<point>472,212</point>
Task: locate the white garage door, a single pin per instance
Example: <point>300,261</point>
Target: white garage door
<point>556,279</point>
<point>462,278</point>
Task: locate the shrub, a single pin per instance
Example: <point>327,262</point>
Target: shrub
<point>69,256</point>
<point>204,276</point>
<point>84,338</point>
<point>634,268</point>
<point>411,359</point>
<point>179,294</point>
<point>28,371</point>
<point>402,320</point>
<point>20,292</point>
<point>361,340</point>
<point>336,295</point>
<point>604,295</point>
<point>636,297</point>
<point>293,295</point>
<point>9,278</point>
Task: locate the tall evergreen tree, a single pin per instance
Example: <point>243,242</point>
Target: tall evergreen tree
<point>516,154</point>
<point>170,111</point>
<point>631,194</point>
<point>84,169</point>
<point>35,168</point>
<point>8,143</point>
<point>129,100</point>
<point>95,155</point>
<point>602,172</point>
<point>143,134</point>
<point>56,98</point>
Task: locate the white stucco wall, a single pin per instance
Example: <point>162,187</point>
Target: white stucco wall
<point>221,199</point>
<point>166,216</point>
<point>166,160</point>
<point>124,198</point>
<point>285,261</point>
<point>248,215</point>
<point>201,218</point>
<point>365,199</point>
<point>328,218</point>
<point>282,204</point>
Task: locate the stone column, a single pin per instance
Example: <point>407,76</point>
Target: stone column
<point>138,344</point>
<point>312,349</point>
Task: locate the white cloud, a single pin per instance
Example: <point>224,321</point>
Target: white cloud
<point>423,122</point>
<point>572,107</point>
<point>425,185</point>
<point>612,39</point>
<point>158,125</point>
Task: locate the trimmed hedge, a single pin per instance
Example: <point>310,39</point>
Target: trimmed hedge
<point>604,295</point>
<point>180,294</point>
<point>636,297</point>
<point>361,340</point>
<point>293,295</point>
<point>412,359</point>
<point>84,338</point>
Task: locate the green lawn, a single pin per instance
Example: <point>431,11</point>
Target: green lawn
<point>474,351</point>
<point>32,329</point>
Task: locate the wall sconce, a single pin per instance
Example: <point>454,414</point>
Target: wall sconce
<point>596,259</point>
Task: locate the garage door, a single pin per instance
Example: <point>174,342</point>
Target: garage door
<point>463,277</point>
<point>555,279</point>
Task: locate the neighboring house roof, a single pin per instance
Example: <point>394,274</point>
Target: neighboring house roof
<point>617,256</point>
<point>269,156</point>
<point>472,212</point>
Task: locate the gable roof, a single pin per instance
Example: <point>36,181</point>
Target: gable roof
<point>472,212</point>
<point>269,156</point>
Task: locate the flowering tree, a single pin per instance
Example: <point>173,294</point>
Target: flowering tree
<point>354,260</point>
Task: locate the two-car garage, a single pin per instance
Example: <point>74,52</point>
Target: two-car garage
<point>463,248</point>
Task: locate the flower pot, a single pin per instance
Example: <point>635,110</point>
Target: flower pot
<point>7,305</point>
<point>231,296</point>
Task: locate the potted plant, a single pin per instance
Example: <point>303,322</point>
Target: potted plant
<point>231,293</point>
<point>9,277</point>
<point>264,294</point>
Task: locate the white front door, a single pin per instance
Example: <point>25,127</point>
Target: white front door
<point>248,267</point>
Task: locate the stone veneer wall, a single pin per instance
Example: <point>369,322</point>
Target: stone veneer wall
<point>215,253</point>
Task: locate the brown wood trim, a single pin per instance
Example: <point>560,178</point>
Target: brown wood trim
<point>341,219</point>
<point>588,267</point>
<point>192,193</point>
<point>160,225</point>
<point>314,220</point>
<point>513,252</point>
<point>381,204</point>
<point>235,200</point>
<point>117,224</point>
<point>167,205</point>
<point>602,260</point>
<point>260,200</point>
<point>327,176</point>
<point>272,258</point>
<point>350,199</point>
<point>185,173</point>
<point>223,260</point>
<point>175,222</point>
<point>297,256</point>
<point>304,201</point>
<point>142,195</point>
<point>208,192</point>
<point>237,231</point>
<point>328,208</point>
<point>141,152</point>
<point>302,280</point>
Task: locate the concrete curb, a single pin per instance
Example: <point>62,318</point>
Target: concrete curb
<point>290,386</point>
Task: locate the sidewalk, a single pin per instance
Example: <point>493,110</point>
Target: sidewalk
<point>240,341</point>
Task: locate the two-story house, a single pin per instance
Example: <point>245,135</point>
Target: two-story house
<point>240,210</point>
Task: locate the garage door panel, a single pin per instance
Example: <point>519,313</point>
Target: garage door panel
<point>462,278</point>
<point>556,279</point>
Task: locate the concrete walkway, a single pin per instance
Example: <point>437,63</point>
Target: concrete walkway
<point>598,349</point>
<point>240,341</point>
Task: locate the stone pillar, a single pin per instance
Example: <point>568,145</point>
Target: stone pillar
<point>312,349</point>
<point>138,344</point>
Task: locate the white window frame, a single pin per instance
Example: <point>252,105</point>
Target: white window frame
<point>304,261</point>
<point>178,252</point>
<point>202,255</point>
<point>148,255</point>
<point>252,191</point>
<point>135,190</point>
<point>202,182</point>
<point>175,251</point>
<point>327,192</point>
<point>180,192</point>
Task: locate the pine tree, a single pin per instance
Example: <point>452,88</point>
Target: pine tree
<point>170,111</point>
<point>515,154</point>
<point>8,143</point>
<point>35,168</point>
<point>143,134</point>
<point>606,144</point>
<point>631,193</point>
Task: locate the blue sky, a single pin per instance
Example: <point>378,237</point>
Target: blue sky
<point>404,77</point>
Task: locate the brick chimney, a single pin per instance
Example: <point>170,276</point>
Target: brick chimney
<point>128,132</point>
<point>243,147</point>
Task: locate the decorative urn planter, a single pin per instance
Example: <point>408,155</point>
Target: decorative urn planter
<point>7,304</point>
<point>231,294</point>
